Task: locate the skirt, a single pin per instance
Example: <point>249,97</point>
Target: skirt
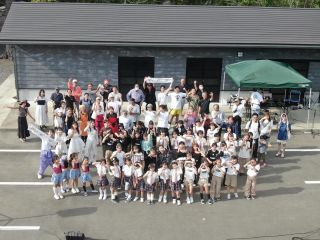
<point>175,186</point>
<point>128,180</point>
<point>140,185</point>
<point>23,131</point>
<point>41,116</point>
<point>103,181</point>
<point>74,174</point>
<point>115,182</point>
<point>56,179</point>
<point>150,188</point>
<point>65,175</point>
<point>85,177</point>
<point>164,185</point>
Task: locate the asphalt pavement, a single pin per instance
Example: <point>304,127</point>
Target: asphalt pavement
<point>286,207</point>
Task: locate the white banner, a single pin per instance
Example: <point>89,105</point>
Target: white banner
<point>159,80</point>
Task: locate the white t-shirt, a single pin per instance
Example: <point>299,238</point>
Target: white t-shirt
<point>149,116</point>
<point>163,120</point>
<point>151,177</point>
<point>176,100</point>
<point>116,106</point>
<point>163,98</point>
<point>164,174</point>
<point>253,170</point>
<point>245,150</point>
<point>117,96</point>
<point>237,110</point>
<point>254,128</point>
<point>134,109</point>
<point>101,170</point>
<point>128,170</point>
<point>231,170</point>
<point>138,172</point>
<point>190,173</point>
<point>126,121</point>
<point>256,98</point>
<point>175,174</point>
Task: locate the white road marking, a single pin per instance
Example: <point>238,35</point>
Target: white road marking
<point>25,183</point>
<point>19,228</point>
<point>312,182</point>
<point>19,150</point>
<point>303,150</point>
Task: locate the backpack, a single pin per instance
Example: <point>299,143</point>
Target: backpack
<point>258,126</point>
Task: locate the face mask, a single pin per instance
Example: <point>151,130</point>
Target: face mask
<point>201,88</point>
<point>136,88</point>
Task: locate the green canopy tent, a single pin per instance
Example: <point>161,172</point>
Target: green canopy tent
<point>266,74</point>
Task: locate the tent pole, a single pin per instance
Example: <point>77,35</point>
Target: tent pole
<point>224,80</point>
<point>309,106</point>
<point>238,92</point>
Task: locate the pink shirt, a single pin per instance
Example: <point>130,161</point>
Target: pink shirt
<point>77,93</point>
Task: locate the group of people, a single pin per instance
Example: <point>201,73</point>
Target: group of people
<point>160,147</point>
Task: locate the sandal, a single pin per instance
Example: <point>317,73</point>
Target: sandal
<point>278,154</point>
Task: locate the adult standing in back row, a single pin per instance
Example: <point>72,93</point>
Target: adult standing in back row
<point>76,91</point>
<point>137,94</point>
<point>150,94</point>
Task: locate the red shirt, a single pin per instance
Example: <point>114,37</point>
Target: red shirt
<point>77,93</point>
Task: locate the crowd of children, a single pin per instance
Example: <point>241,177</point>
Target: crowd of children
<point>164,152</point>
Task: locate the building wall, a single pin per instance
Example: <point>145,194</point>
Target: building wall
<point>50,66</point>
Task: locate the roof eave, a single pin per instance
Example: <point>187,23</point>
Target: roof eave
<point>158,44</point>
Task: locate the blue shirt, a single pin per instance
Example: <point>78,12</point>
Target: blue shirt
<point>138,95</point>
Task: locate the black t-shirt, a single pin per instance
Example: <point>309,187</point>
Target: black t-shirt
<point>69,101</point>
<point>150,96</point>
<point>204,106</point>
<point>125,143</point>
<point>213,155</point>
<point>109,144</point>
<point>106,92</point>
<point>149,160</point>
<point>181,130</point>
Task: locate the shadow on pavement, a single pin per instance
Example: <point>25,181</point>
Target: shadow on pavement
<point>76,212</point>
<point>278,170</point>
<point>270,179</point>
<point>279,191</point>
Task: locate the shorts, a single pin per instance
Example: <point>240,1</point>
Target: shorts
<point>103,181</point>
<point>150,188</point>
<point>65,175</point>
<point>231,180</point>
<point>85,177</point>
<point>188,183</point>
<point>164,185</point>
<point>262,156</point>
<point>175,186</point>
<point>56,179</point>
<point>175,112</point>
<point>74,174</point>
<point>282,141</point>
<point>203,182</point>
<point>115,182</point>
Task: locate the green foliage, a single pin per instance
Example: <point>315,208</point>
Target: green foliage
<point>260,3</point>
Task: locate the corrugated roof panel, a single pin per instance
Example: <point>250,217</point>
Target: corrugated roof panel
<point>110,23</point>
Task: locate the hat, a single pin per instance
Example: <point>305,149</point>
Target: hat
<point>57,88</point>
<point>26,102</point>
<point>74,80</point>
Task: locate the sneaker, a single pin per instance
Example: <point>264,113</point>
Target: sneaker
<point>149,202</point>
<point>60,195</point>
<point>62,190</point>
<point>39,176</point>
<point>178,202</point>
<point>56,197</point>
<point>94,191</point>
<point>202,201</point>
<point>77,190</point>
<point>136,199</point>
<point>73,191</point>
<point>128,199</point>
<point>209,201</point>
<point>100,196</point>
<point>174,201</point>
<point>236,195</point>
<point>68,189</point>
<point>165,200</point>
<point>104,197</point>
<point>85,194</point>
<point>126,194</point>
<point>114,200</point>
<point>253,197</point>
<point>160,199</point>
<point>229,196</point>
<point>188,200</point>
<point>141,199</point>
<point>248,198</point>
<point>191,200</point>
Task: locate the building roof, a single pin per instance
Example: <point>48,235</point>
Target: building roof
<point>160,25</point>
